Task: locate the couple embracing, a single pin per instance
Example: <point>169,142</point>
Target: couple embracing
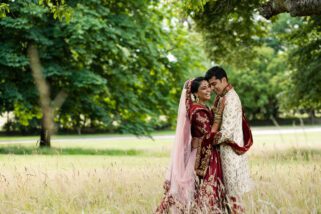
<point>209,170</point>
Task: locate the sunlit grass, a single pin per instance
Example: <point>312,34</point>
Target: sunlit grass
<point>125,184</point>
<point>286,173</point>
<point>70,184</point>
<point>287,182</point>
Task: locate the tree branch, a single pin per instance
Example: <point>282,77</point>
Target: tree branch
<point>294,7</point>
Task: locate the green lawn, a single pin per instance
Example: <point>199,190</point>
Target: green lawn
<point>262,143</point>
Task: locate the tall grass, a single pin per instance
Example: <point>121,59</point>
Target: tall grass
<point>133,184</point>
<point>62,184</point>
<point>287,178</point>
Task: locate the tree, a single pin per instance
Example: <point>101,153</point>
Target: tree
<point>259,85</point>
<point>30,24</point>
<point>122,63</point>
<point>295,8</point>
<point>267,9</point>
<point>230,29</point>
<point>303,91</point>
<point>235,35</point>
<point>58,8</point>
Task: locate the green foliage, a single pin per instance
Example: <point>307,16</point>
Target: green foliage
<point>4,8</point>
<point>305,59</point>
<point>259,84</point>
<point>230,29</point>
<point>273,65</point>
<point>122,63</point>
<point>59,8</point>
<point>194,5</point>
<point>299,40</point>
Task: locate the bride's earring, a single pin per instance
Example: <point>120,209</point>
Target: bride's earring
<point>197,99</point>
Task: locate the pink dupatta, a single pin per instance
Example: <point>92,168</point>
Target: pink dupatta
<point>181,175</point>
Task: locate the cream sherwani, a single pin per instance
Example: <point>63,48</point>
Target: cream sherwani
<point>235,167</point>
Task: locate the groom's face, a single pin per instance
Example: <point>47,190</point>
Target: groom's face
<point>217,85</point>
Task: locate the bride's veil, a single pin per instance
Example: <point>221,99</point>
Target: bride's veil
<point>181,172</point>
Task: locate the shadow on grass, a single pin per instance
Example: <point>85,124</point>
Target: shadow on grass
<point>19,150</point>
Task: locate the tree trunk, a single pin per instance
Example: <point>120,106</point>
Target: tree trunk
<point>79,130</point>
<point>47,124</point>
<point>312,116</point>
<point>294,7</point>
<point>44,134</point>
<point>8,124</point>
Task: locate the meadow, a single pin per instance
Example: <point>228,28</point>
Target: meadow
<point>126,175</point>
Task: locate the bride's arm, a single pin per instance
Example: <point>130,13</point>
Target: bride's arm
<point>217,110</point>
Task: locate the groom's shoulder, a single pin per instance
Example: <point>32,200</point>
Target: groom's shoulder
<point>235,93</point>
<point>232,95</point>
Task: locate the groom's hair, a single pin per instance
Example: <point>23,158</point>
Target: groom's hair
<point>216,72</point>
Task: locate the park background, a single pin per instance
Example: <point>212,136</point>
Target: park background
<point>81,80</point>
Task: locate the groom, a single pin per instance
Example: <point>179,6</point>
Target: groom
<point>234,128</point>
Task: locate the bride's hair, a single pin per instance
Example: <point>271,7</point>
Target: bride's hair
<point>196,84</point>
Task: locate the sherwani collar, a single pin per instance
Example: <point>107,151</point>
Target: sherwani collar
<point>226,89</point>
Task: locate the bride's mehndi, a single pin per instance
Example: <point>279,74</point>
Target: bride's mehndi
<point>218,113</point>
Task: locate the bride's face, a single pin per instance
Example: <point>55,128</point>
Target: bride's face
<point>204,91</point>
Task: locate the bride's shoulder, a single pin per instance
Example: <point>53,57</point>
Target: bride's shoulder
<point>197,108</point>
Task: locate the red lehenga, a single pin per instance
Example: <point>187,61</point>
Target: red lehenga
<point>209,194</point>
<point>202,192</point>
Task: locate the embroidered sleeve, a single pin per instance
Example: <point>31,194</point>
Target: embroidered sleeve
<point>201,124</point>
<point>231,110</point>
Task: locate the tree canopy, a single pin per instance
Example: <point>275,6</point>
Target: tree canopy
<point>275,64</point>
<point>122,64</point>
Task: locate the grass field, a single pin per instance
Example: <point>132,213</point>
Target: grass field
<point>126,176</point>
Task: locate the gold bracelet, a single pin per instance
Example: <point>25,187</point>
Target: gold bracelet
<point>218,115</point>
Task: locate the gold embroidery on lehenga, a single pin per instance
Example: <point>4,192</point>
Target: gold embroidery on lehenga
<point>196,142</point>
<point>206,200</point>
<point>198,157</point>
<point>202,167</point>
